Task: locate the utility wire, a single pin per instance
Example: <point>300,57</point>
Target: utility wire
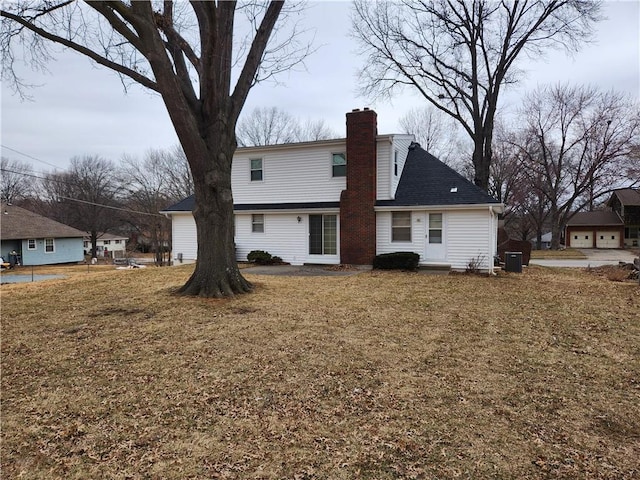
<point>112,208</point>
<point>29,156</point>
<point>83,201</point>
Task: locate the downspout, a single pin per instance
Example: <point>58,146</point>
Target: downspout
<point>492,240</point>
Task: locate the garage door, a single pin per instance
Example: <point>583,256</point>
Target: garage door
<point>607,239</point>
<point>582,239</point>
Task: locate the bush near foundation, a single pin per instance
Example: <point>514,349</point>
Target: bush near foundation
<point>260,257</point>
<point>396,261</point>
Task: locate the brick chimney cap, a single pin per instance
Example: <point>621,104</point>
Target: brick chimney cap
<point>366,108</point>
<point>355,110</point>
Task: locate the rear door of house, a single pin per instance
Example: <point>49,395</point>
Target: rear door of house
<point>435,239</point>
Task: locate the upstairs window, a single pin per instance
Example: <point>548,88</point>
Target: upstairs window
<point>256,169</point>
<point>395,163</point>
<point>339,165</point>
<point>401,226</point>
<point>107,242</point>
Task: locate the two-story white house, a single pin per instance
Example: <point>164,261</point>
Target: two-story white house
<point>116,244</point>
<point>349,199</point>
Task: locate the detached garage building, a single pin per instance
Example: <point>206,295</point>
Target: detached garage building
<point>595,230</point>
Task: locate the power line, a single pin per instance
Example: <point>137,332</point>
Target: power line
<point>128,210</point>
<point>109,206</point>
<point>29,156</point>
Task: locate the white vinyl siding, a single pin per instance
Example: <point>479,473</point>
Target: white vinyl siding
<point>385,168</point>
<point>466,234</point>
<point>401,145</point>
<point>290,176</point>
<point>470,234</point>
<point>184,236</point>
<point>287,238</point>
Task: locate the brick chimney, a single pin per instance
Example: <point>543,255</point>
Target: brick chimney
<point>357,216</point>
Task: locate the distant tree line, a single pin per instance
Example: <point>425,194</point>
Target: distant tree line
<point>98,196</point>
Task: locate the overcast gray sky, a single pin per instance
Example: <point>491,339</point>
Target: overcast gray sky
<point>81,109</point>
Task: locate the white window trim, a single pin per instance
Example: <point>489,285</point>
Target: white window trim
<point>331,165</point>
<point>396,163</point>
<point>35,244</point>
<point>251,170</point>
<point>264,228</point>
<point>410,229</point>
<point>53,244</point>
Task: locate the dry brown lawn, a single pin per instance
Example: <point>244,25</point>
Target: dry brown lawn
<point>381,375</point>
<point>568,253</point>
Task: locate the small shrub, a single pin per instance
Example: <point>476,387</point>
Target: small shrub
<point>475,264</point>
<point>396,261</point>
<point>277,260</point>
<point>260,257</point>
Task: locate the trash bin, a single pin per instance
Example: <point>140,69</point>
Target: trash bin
<point>513,262</point>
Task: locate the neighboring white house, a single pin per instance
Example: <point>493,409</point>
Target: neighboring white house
<point>107,242</point>
<point>347,200</point>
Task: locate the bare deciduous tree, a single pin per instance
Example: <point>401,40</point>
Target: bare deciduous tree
<point>82,196</point>
<point>459,54</point>
<point>575,145</point>
<point>15,183</point>
<point>273,126</point>
<point>148,186</point>
<point>184,52</point>
<point>435,132</point>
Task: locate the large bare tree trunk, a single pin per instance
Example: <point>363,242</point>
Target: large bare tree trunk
<point>216,273</point>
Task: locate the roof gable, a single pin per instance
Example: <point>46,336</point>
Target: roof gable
<point>427,181</point>
<point>628,196</point>
<point>20,224</point>
<point>599,218</point>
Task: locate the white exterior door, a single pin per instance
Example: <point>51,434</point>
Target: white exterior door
<point>435,239</point>
<point>582,239</point>
<point>607,239</point>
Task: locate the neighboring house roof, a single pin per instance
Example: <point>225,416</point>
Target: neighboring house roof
<point>427,181</point>
<point>19,224</point>
<point>593,219</point>
<point>628,196</point>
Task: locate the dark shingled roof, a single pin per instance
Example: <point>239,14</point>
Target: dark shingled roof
<point>600,218</point>
<point>427,181</point>
<point>20,224</point>
<point>188,203</point>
